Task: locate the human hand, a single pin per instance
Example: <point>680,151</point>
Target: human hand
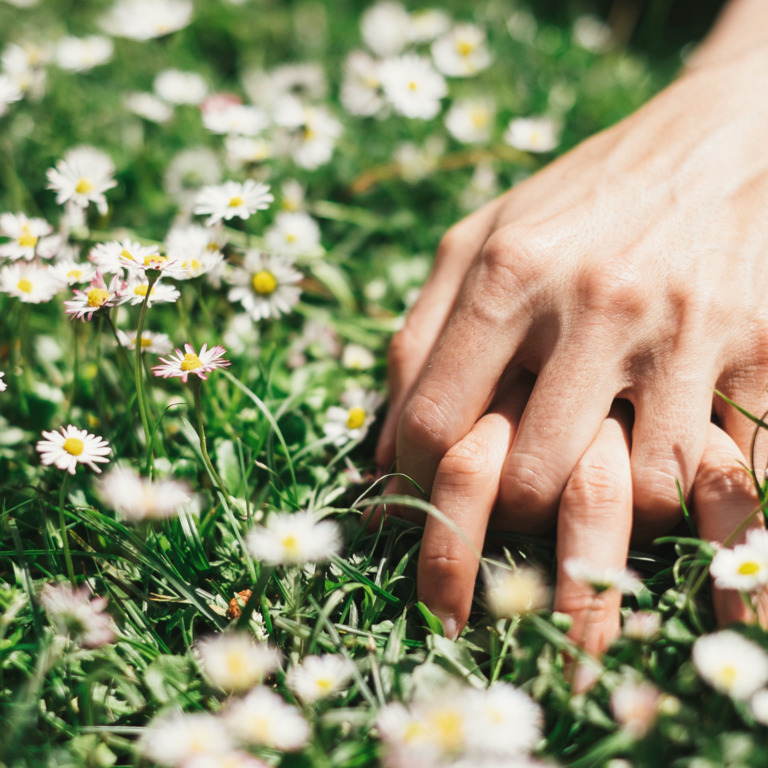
<point>632,267</point>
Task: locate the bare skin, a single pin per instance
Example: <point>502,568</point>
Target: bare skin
<point>633,268</point>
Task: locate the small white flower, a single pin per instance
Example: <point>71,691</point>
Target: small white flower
<point>177,87</point>
<point>138,267</point>
<point>236,120</point>
<point>78,54</point>
<point>513,592</point>
<point>82,177</point>
<point>148,106</point>
<point>294,538</point>
<point>263,719</point>
<point>351,422</point>
<point>744,568</point>
<point>462,52</point>
<point>235,663</point>
<point>602,579</point>
<point>25,235</point>
<point>412,86</point>
<point>731,664</point>
<point>312,132</point>
<point>78,615</point>
<point>482,187</point>
<point>357,358</point>
<point>195,250</point>
<point>71,272</point>
<point>759,706</point>
<point>292,194</point>
<point>3,385</point>
<point>427,24</point>
<point>635,707</point>
<point>318,677</point>
<point>294,233</point>
<point>385,28</point>
<point>135,289</point>
<point>188,171</point>
<point>642,625</point>
<point>29,283</point>
<point>533,134</point>
<point>9,93</point>
<point>99,295</point>
<point>244,150</point>
<point>265,285</point>
<point>471,120</point>
<point>173,740</point>
<point>235,759</point>
<point>112,257</point>
<point>361,92</point>
<point>188,363</point>
<point>138,498</point>
<point>146,19</point>
<point>155,343</point>
<point>225,201</point>
<point>72,446</point>
<point>592,33</point>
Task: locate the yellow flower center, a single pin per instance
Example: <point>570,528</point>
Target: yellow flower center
<point>355,418</point>
<point>290,237</point>
<point>145,342</point>
<point>192,265</point>
<point>97,297</point>
<point>25,285</point>
<point>264,282</point>
<point>413,85</point>
<point>141,290</point>
<point>748,568</point>
<point>290,544</point>
<point>325,684</point>
<point>726,676</point>
<point>447,729</point>
<point>236,202</point>
<point>75,274</point>
<point>236,665</point>
<point>464,47</point>
<point>27,239</point>
<point>73,446</point>
<point>479,118</point>
<point>191,362</point>
<point>126,254</point>
<point>155,260</point>
<point>83,186</point>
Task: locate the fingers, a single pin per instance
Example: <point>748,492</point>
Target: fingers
<point>412,345</point>
<point>595,523</point>
<point>724,497</point>
<point>672,416</point>
<point>465,492</point>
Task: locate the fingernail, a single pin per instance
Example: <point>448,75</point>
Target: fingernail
<point>450,625</point>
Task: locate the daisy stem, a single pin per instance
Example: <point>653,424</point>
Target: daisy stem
<point>196,387</point>
<point>152,278</point>
<point>64,533</point>
<point>120,346</point>
<point>508,635</point>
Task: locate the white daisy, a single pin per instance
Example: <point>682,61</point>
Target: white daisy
<point>263,719</point>
<point>135,289</point>
<point>98,296</point>
<point>244,150</point>
<point>731,664</point>
<point>114,256</point>
<point>72,446</point>
<point>175,739</point>
<point>24,63</point>
<point>514,592</point>
<point>311,132</point>
<point>194,248</point>
<point>29,283</point>
<point>294,233</point>
<point>292,195</point>
<point>592,33</point>
<point>79,54</point>
<point>265,285</point>
<point>148,106</point>
<point>482,187</point>
<point>71,272</point>
<point>351,422</point>
<point>602,579</point>
<point>9,93</point>
<point>3,385</point>
<point>635,707</point>
<point>24,234</point>
<point>82,177</point>
<point>146,19</point>
<point>230,199</point>
<point>155,343</point>
<point>167,266</point>
<point>759,706</point>
<point>305,81</point>
<point>744,568</point>
<point>356,357</point>
<point>236,758</point>
<point>361,92</point>
<point>235,663</point>
<point>78,615</point>
<point>188,171</point>
<point>294,538</point>
<point>533,134</point>
<point>462,52</point>
<point>187,363</point>
<point>427,24</point>
<point>177,87</point>
<point>236,119</point>
<point>412,86</point>
<point>641,625</point>
<point>138,498</point>
<point>471,120</point>
<point>318,677</point>
<point>385,28</point>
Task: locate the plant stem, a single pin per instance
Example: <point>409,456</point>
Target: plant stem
<point>64,534</point>
<point>196,387</point>
<point>152,277</point>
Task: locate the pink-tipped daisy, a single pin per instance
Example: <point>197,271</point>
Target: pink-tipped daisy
<point>98,295</point>
<point>72,446</point>
<point>188,362</point>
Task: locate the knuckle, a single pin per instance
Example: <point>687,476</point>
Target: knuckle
<point>512,261</point>
<point>528,484</point>
<point>595,488</point>
<point>723,482</point>
<point>440,563</point>
<point>613,289</point>
<point>655,493</point>
<point>402,347</point>
<point>426,418</point>
<point>465,461</point>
